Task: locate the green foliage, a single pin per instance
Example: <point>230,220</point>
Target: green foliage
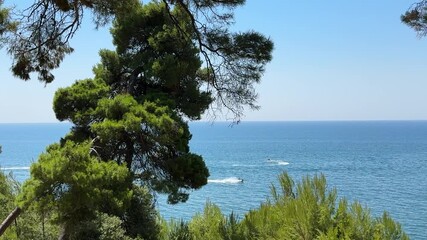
<point>30,224</point>
<point>166,42</point>
<point>212,224</point>
<point>140,221</point>
<point>7,25</point>
<point>310,211</point>
<point>7,195</point>
<point>307,210</point>
<point>141,218</point>
<point>130,136</point>
<point>416,17</point>
<point>143,136</point>
<point>84,97</point>
<point>178,230</point>
<point>40,41</point>
<point>103,227</point>
<point>134,109</point>
<point>207,225</point>
<point>75,183</point>
<point>166,62</point>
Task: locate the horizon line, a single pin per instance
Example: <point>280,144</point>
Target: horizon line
<point>242,121</point>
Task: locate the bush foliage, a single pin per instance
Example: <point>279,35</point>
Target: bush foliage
<point>305,210</point>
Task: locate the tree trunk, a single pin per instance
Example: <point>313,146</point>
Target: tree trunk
<point>12,216</point>
<point>64,234</point>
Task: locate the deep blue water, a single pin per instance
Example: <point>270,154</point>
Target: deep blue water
<point>381,164</point>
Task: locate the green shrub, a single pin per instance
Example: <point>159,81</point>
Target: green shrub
<point>179,230</point>
<point>306,210</point>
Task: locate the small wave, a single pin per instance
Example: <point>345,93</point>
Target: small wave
<point>282,163</point>
<point>14,168</point>
<point>278,162</point>
<point>230,180</point>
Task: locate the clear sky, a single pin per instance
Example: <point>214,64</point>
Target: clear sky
<point>333,60</point>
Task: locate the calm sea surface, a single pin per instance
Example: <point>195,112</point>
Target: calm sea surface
<point>381,164</point>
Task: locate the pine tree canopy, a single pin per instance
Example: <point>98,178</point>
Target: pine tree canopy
<point>130,120</point>
<point>416,17</point>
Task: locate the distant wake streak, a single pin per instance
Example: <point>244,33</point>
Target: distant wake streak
<point>14,168</point>
<point>271,163</point>
<point>278,162</point>
<point>230,180</point>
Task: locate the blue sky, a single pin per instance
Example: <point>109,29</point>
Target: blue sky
<point>333,60</point>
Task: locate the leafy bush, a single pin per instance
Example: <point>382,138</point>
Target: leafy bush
<point>30,224</point>
<point>306,210</point>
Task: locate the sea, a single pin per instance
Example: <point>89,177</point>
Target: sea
<point>382,164</point>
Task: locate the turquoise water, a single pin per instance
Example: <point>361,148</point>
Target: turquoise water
<point>382,164</point>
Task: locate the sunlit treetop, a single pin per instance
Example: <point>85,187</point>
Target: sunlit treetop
<point>232,62</point>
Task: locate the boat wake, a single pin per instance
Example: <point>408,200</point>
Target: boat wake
<point>14,168</point>
<point>277,162</point>
<point>230,180</point>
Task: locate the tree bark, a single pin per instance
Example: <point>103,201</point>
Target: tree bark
<point>12,216</point>
<point>64,233</point>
